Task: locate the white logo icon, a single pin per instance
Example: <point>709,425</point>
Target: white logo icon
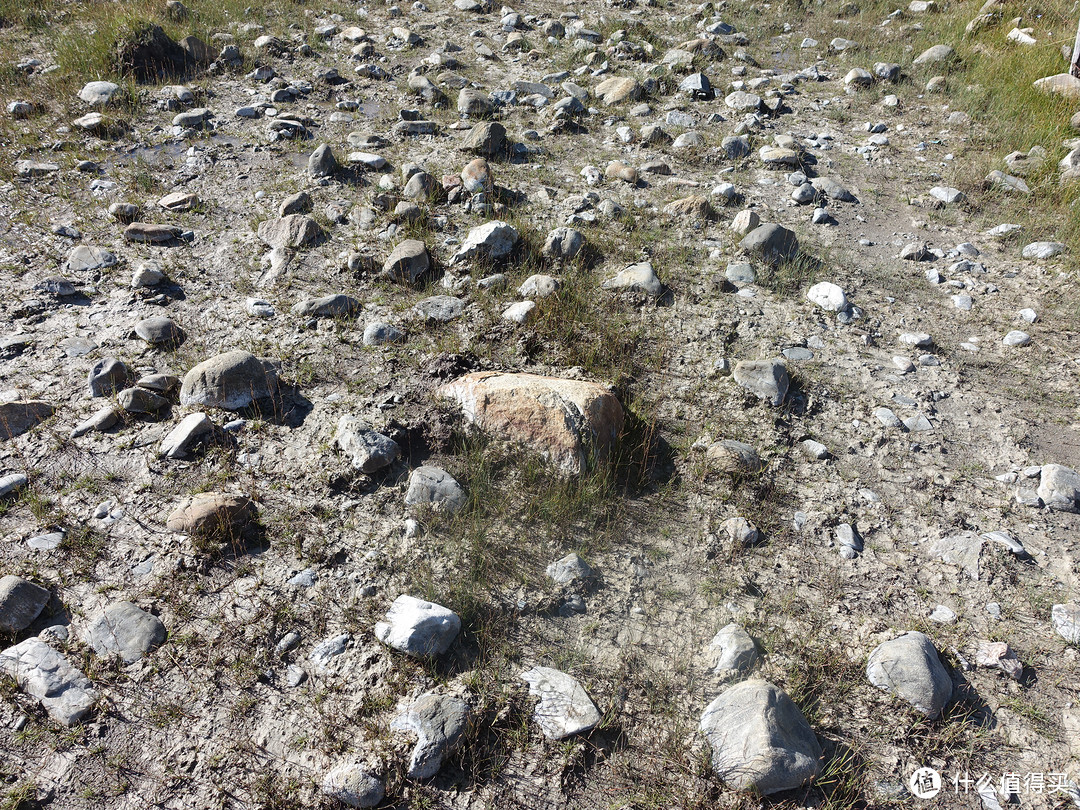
<point>925,783</point>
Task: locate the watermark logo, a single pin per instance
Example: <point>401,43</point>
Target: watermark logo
<point>925,783</point>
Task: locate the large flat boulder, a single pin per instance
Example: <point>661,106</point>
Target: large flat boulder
<point>563,420</point>
<point>43,673</point>
<point>909,667</point>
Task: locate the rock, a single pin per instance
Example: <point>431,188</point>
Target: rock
<point>743,101</point>
<point>947,195</point>
<point>123,628</point>
<point>21,601</point>
<point>107,376</point>
<point>563,244</point>
<point>474,103</point>
<point>101,421</point>
<point>962,550</point>
<point>766,379</point>
<point>10,484</point>
<point>192,428</point>
<point>760,740</point>
<point>147,275</point>
<point>744,222</point>
<point>488,242</point>
<point>321,163</point>
<point>418,628</point>
<point>934,55</point>
<point>858,78</point>
<point>638,277</point>
<point>368,450</point>
<point>734,457</point>
<point>329,306</point>
<point>848,541</point>
<point>438,309</point>
<point>353,785</point>
<point>292,231</point>
<point>617,90</point>
<point>694,207</point>
<point>84,258</point>
<point>149,233</point>
<point>439,723</point>
<point>1043,250</point>
<point>772,243</point>
<point>1066,622</point>
<point>43,673</point>
<point>230,381</point>
<point>1059,487</point>
<point>908,666</point>
<point>436,489</point>
<point>570,568</point>
<point>565,708</point>
<point>1006,182</point>
<point>733,650</point>
<point>539,285</point>
<point>485,138</point>
<point>828,296</point>
<point>698,87</point>
<point>212,516</point>
<point>139,400</point>
<point>1062,84</point>
<point>1016,338</point>
<point>998,655</point>
<point>565,421</point>
<point>407,262</point>
<point>420,187</point>
<point>519,313</point>
<point>99,93</point>
<point>833,190</point>
<point>160,331</point>
<point>18,417</point>
<point>378,334</point>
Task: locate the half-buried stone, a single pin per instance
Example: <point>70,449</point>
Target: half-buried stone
<point>230,381</point>
<point>21,601</point>
<point>212,516</point>
<point>760,740</point>
<point>126,630</point>
<point>565,708</point>
<point>368,450</point>
<point>563,420</point>
<point>766,379</point>
<point>439,723</point>
<point>18,417</point>
<point>407,262</point>
<point>43,673</point>
<point>329,306</point>
<point>434,488</point>
<point>159,331</point>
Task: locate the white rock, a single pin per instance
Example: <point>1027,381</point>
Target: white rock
<point>565,708</point>
<point>827,296</point>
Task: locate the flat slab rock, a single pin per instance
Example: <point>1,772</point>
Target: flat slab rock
<point>759,739</point>
<point>563,420</point>
<point>418,628</point>
<point>18,417</point>
<point>127,630</point>
<point>909,667</point>
<point>565,708</point>
<point>43,673</point>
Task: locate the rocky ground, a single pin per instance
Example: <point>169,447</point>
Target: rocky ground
<point>613,404</point>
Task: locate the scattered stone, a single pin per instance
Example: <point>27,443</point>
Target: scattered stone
<point>21,601</point>
<point>766,379</point>
<point>772,243</point>
<point>230,381</point>
<point>407,263</point>
<point>192,428</point>
<point>160,331</point>
<point>18,417</point>
<point>126,630</point>
<point>439,723</point>
<point>1066,621</point>
<point>760,740</point>
<point>368,450</point>
<point>570,568</point>
<point>734,651</point>
<point>43,673</point>
<point>353,785</point>
<point>565,708</point>
<point>212,516</point>
<point>638,277</point>
<point>436,489</point>
<point>908,666</point>
<point>998,655</point>
<point>418,628</point>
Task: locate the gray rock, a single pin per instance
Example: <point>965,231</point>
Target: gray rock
<point>638,277</point>
<point>934,54</point>
<point>84,258</point>
<point>962,550</point>
<point>299,203</point>
<point>435,488</point>
<point>99,93</point>
<point>570,568</point>
<point>101,421</point>
<point>139,400</point>
<point>159,331</point>
<point>539,285</point>
<point>474,103</point>
<point>368,450</point>
<point>353,785</point>
<point>43,673</point>
<point>123,628</point>
<point>909,667</point>
<point>322,162</point>
<point>1059,487</point>
<point>772,243</point>
<point>418,628</point>
<point>563,244</point>
<point>760,740</point>
<point>292,231</point>
<point>485,138</point>
<point>150,233</point>
<point>491,241</point>
<point>849,541</point>
<point>231,381</point>
<point>378,334</point>
<point>439,723</point>
<point>1042,250</point>
<point>766,379</point>
<point>21,601</point>
<point>329,306</point>
<point>1065,620</point>
<point>732,650</point>
<point>192,428</point>
<point>740,273</point>
<point>407,262</point>
<point>565,708</point>
<point>12,483</point>
<point>438,308</point>
<point>18,417</point>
